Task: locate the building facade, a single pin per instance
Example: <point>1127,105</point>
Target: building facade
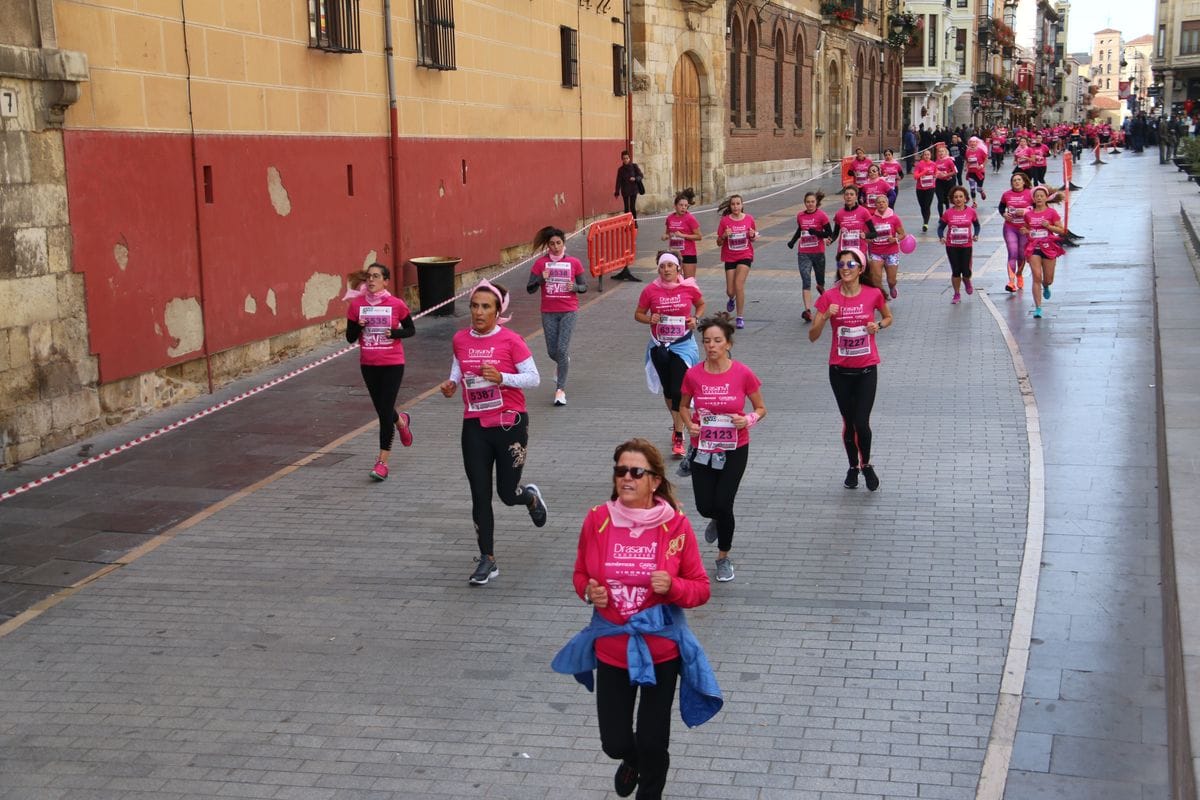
<point>1139,75</point>
<point>1176,54</point>
<point>1106,73</point>
<point>225,165</point>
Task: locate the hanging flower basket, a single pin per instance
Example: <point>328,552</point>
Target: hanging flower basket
<point>902,29</point>
<point>840,12</point>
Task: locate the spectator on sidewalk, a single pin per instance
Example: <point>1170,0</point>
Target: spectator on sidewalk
<point>909,148</point>
<point>629,185</point>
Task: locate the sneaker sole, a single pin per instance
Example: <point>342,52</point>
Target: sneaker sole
<point>476,582</point>
<point>406,438</point>
<point>542,502</point>
<point>726,580</point>
<point>378,478</point>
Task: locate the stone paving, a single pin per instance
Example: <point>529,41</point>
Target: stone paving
<point>316,638</point>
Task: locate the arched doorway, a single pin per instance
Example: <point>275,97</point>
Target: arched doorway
<point>686,120</point>
<point>836,126</point>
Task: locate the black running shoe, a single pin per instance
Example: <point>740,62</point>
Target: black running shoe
<point>537,505</point>
<point>485,570</point>
<point>625,781</point>
<point>851,481</point>
<point>872,480</point>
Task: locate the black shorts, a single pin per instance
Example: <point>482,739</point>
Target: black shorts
<point>731,265</point>
<point>689,259</point>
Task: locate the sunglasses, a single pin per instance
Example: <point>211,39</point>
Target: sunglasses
<point>620,471</point>
<point>848,265</point>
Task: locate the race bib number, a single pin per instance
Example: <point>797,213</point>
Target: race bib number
<point>871,199</point>
<point>1038,233</point>
<point>482,394</point>
<point>376,322</point>
<point>558,278</point>
<point>852,340</point>
<point>738,240</point>
<point>927,181</point>
<point>891,179</point>
<point>1015,214</point>
<point>882,231</point>
<point>851,239</point>
<point>671,328</point>
<point>959,236</point>
<point>676,243</point>
<point>717,432</point>
<point>807,240</point>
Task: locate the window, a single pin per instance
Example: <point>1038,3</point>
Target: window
<point>1110,69</point>
<point>871,102</point>
<point>1189,38</point>
<point>333,26</point>
<point>1162,41</point>
<point>962,3</point>
<point>860,73</point>
<point>798,85</point>
<point>435,34</point>
<point>751,58</point>
<point>960,48</point>
<point>735,76</point>
<point>1108,83</point>
<point>620,84</point>
<point>778,79</point>
<point>569,39</point>
<point>933,41</point>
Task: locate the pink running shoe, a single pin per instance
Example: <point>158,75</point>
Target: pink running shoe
<point>404,430</point>
<point>894,293</point>
<point>380,471</point>
<point>968,286</point>
<point>956,299</point>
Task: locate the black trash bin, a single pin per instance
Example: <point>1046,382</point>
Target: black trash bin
<point>435,282</point>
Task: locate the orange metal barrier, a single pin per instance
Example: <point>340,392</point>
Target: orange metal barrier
<point>847,172</point>
<point>612,245</point>
<point>1068,171</point>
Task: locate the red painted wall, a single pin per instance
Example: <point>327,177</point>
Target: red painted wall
<point>138,189</point>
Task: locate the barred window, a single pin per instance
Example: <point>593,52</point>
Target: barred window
<point>620,82</point>
<point>333,26</point>
<point>569,38</point>
<point>435,34</point>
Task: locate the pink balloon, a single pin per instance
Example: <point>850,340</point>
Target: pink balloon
<point>908,244</point>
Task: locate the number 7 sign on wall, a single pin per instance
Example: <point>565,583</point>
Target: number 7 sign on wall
<point>8,102</point>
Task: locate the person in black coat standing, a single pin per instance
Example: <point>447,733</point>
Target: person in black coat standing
<point>629,186</point>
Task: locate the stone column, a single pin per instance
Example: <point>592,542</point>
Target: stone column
<point>48,393</point>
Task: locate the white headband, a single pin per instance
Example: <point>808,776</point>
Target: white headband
<point>668,257</point>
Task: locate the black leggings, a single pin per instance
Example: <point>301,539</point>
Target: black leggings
<point>670,368</point>
<point>925,198</point>
<point>482,448</point>
<point>854,388</point>
<point>715,491</point>
<point>960,261</point>
<point>943,195</point>
<point>630,203</point>
<point>647,749</point>
<point>383,384</point>
<point>997,161</point>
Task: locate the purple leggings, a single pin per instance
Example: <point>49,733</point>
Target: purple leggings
<point>1015,241</point>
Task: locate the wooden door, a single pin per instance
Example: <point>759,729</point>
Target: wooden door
<point>686,87</point>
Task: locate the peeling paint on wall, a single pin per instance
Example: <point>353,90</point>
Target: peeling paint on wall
<point>271,300</point>
<point>185,325</point>
<point>250,306</point>
<point>318,291</point>
<point>279,195</point>
<point>371,258</point>
<point>121,254</point>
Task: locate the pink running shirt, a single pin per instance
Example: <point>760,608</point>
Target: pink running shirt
<point>720,394</point>
<point>851,345</point>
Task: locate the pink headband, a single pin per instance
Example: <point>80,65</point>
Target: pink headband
<point>501,296</point>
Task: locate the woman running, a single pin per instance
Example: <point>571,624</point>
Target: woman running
<point>638,565</point>
<point>884,246</point>
<point>1013,205</point>
<point>860,165</point>
<point>812,235</point>
<point>892,172</point>
<point>958,229</point>
<point>560,278</point>
<point>1042,227</point>
<point>670,305</point>
<point>1023,160</point>
<point>874,187</point>
<point>378,321</point>
<point>494,365</point>
<point>997,144</point>
<point>925,176</point>
<point>1040,153</point>
<point>852,222</point>
<point>853,357</point>
<point>718,389</point>
<point>736,233</point>
<point>976,158</point>
<point>946,171</point>
<point>683,231</point>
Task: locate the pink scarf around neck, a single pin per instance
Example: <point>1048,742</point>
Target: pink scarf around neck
<point>639,519</point>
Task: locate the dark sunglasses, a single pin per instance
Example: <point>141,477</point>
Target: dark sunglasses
<point>620,471</point>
